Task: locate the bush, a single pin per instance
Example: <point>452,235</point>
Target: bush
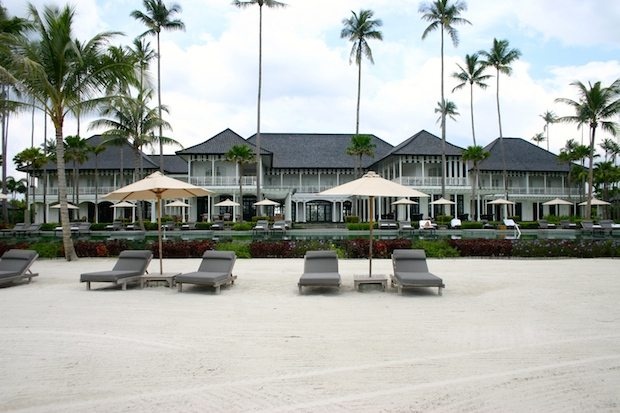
<point>471,225</point>
<point>242,226</point>
<point>241,249</point>
<point>358,248</point>
<point>182,248</point>
<point>436,249</point>
<point>482,247</point>
<point>352,219</point>
<point>52,249</point>
<point>361,226</point>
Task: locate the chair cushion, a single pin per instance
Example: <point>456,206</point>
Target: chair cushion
<point>108,276</point>
<point>203,278</point>
<point>418,278</point>
<point>323,278</point>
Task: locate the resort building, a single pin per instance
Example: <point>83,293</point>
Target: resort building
<point>296,167</point>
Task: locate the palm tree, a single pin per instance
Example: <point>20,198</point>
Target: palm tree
<point>97,150</point>
<point>538,138</point>
<point>361,145</point>
<point>475,154</point>
<point>611,149</point>
<point>473,73</point>
<point>159,17</point>
<point>596,105</point>
<point>443,15</point>
<point>448,109</point>
<point>270,4</point>
<point>130,121</point>
<point>359,28</point>
<point>501,56</point>
<point>240,155</point>
<point>76,151</point>
<point>31,159</point>
<point>48,69</point>
<point>549,118</point>
<point>14,186</point>
<point>605,174</point>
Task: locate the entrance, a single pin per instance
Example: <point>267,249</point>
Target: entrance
<point>319,211</point>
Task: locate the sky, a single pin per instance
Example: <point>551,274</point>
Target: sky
<point>210,70</point>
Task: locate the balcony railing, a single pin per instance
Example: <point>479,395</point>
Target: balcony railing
<point>211,181</point>
<point>430,181</point>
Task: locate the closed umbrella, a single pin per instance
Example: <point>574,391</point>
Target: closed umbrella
<point>372,185</point>
<point>157,186</point>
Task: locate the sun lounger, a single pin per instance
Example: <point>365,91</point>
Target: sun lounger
<point>404,226</point>
<point>215,270</point>
<point>84,228</point>
<point>568,225</point>
<point>411,271</point>
<point>608,226</point>
<point>19,229</point>
<point>217,226</point>
<point>320,270</point>
<point>115,226</point>
<point>262,226</point>
<point>544,224</point>
<point>188,226</point>
<point>591,227</point>
<point>15,265</point>
<point>130,267</point>
<point>388,224</point>
<point>279,226</point>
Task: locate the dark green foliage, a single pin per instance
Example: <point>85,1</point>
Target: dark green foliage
<point>241,249</point>
<point>242,226</point>
<point>352,219</point>
<point>566,248</point>
<point>360,226</point>
<point>48,249</point>
<point>436,249</point>
<point>482,247</point>
<point>471,225</point>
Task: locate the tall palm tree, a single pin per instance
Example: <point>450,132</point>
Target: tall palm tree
<point>48,69</point>
<point>446,109</point>
<point>76,152</point>
<point>475,154</point>
<point>596,106</point>
<point>501,56</point>
<point>240,155</point>
<point>97,150</point>
<point>538,138</point>
<point>158,17</point>
<point>31,159</point>
<point>611,149</point>
<point>361,145</point>
<point>549,118</point>
<point>472,74</point>
<point>443,15</point>
<point>359,28</point>
<point>270,4</point>
<point>605,175</point>
<point>130,121</point>
<point>19,186</point>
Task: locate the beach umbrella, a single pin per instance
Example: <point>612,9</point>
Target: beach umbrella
<point>558,202</point>
<point>372,185</point>
<point>227,203</point>
<point>442,201</point>
<point>123,204</point>
<point>595,201</point>
<point>404,201</point>
<point>157,186</point>
<point>70,206</point>
<point>500,201</point>
<point>266,202</point>
<point>178,204</point>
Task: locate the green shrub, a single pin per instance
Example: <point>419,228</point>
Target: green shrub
<point>471,225</point>
<point>242,226</point>
<point>352,219</point>
<point>241,249</point>
<point>443,219</point>
<point>52,249</point>
<point>361,226</point>
<point>436,248</point>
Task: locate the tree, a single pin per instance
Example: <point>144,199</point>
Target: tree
<point>605,175</point>
<point>538,138</point>
<point>549,118</point>
<point>269,4</point>
<point>443,15</point>
<point>596,106</point>
<point>97,150</point>
<point>240,155</point>
<point>501,56</point>
<point>14,186</point>
<point>49,70</point>
<point>130,121</point>
<point>611,149</point>
<point>359,28</point>
<point>473,73</point>
<point>475,154</point>
<point>76,151</point>
<point>447,108</point>
<point>361,145</point>
<point>159,17</point>
<point>30,159</point>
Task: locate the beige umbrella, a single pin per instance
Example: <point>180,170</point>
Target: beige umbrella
<point>157,186</point>
<point>69,206</point>
<point>372,185</point>
<point>404,201</point>
<point>558,201</point>
<point>123,204</point>
<point>178,204</point>
<point>227,203</point>
<point>266,202</point>
<point>442,201</point>
<point>500,201</point>
<point>595,201</point>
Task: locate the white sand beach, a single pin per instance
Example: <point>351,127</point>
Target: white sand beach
<point>507,335</point>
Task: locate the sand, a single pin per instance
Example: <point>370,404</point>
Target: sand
<point>507,335</point>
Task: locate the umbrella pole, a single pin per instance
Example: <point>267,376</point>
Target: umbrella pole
<point>161,265</point>
<point>371,201</point>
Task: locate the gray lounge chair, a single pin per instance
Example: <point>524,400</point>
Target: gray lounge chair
<point>215,270</point>
<point>544,224</point>
<point>15,265</point>
<point>218,225</point>
<point>20,229</point>
<point>130,267</point>
<point>320,270</point>
<point>279,226</point>
<point>388,224</point>
<point>262,226</point>
<point>404,226</point>
<point>411,271</point>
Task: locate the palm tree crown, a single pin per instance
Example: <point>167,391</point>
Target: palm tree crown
<point>472,74</point>
<point>549,118</point>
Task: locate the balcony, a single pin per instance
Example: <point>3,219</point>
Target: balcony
<point>432,181</point>
<point>229,181</point>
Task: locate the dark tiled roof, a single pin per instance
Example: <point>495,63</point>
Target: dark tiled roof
<point>218,144</point>
<point>110,159</point>
<point>313,150</point>
<point>521,155</point>
<point>425,143</point>
<point>173,164</point>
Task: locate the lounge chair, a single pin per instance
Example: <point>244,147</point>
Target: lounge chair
<point>262,226</point>
<point>188,226</point>
<point>388,224</point>
<point>320,270</point>
<point>115,226</point>
<point>427,225</point>
<point>544,224</point>
<point>404,226</point>
<point>510,223</point>
<point>215,270</point>
<point>130,267</point>
<point>20,229</point>
<point>84,228</point>
<point>608,226</point>
<point>568,225</point>
<point>279,226</point>
<point>591,227</point>
<point>15,265</point>
<point>411,271</point>
<point>455,223</point>
<point>218,225</point>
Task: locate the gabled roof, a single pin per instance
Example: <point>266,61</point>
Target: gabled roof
<point>522,156</point>
<point>425,143</point>
<point>173,164</point>
<point>315,150</point>
<point>218,144</point>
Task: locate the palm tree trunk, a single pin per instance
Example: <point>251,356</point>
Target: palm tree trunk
<point>590,171</point>
<point>67,241</point>
<point>5,137</point>
<point>260,81</point>
<point>443,130</point>
<point>471,105</point>
<point>501,141</point>
<point>240,192</point>
<point>161,144</point>
<point>96,188</point>
<point>359,92</point>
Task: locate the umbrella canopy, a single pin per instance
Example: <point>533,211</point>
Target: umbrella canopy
<point>372,185</point>
<point>177,203</point>
<point>157,186</point>
<point>70,206</point>
<point>266,202</point>
<point>558,201</point>
<point>442,201</point>
<point>123,204</point>
<point>595,201</point>
<point>404,201</point>
<point>500,201</point>
<point>227,203</point>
